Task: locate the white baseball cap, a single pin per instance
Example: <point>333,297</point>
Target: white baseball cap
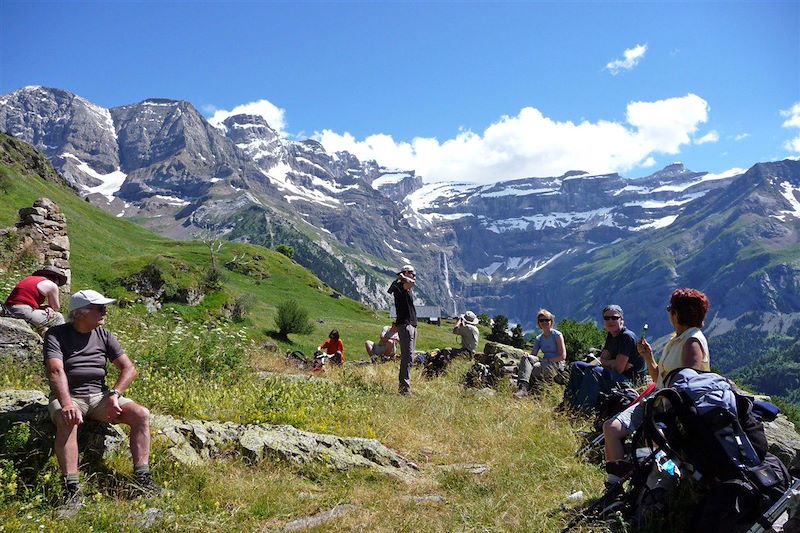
<point>88,297</point>
<point>407,268</point>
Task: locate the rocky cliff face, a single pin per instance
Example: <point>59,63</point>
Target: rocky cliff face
<point>570,242</point>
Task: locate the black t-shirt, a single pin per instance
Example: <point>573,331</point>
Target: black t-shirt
<point>625,344</point>
<point>403,304</point>
<point>84,356</point>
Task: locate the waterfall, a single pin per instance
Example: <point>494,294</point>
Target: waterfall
<point>446,270</point>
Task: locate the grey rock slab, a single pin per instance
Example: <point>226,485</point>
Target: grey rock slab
<point>19,341</point>
<point>784,442</point>
<point>257,442</point>
<point>319,519</point>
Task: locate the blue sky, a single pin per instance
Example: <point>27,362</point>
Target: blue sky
<point>456,90</point>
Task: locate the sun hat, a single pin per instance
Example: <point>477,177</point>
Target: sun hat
<point>52,273</point>
<point>470,318</point>
<point>88,297</point>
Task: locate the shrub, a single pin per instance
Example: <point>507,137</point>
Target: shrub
<point>579,337</point>
<point>500,330</point>
<point>518,337</point>
<point>286,250</point>
<point>241,305</point>
<point>214,279</point>
<point>292,318</point>
<point>484,320</point>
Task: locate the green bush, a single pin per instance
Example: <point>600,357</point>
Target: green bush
<point>292,318</point>
<point>500,331</point>
<point>517,337</point>
<point>579,337</point>
<point>288,251</point>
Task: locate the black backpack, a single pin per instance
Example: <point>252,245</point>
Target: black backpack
<point>705,422</point>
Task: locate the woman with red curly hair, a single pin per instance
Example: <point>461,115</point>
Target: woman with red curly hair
<point>687,348</point>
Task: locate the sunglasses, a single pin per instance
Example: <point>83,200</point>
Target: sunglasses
<point>102,309</point>
<point>610,318</point>
<point>545,320</point>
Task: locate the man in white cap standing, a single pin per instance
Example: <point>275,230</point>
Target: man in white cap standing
<point>75,356</point>
<point>406,322</point>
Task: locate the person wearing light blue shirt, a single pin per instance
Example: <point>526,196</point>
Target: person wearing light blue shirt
<point>551,343</point>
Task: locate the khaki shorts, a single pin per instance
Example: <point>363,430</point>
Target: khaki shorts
<point>91,406</point>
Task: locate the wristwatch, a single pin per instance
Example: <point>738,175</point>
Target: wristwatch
<point>114,392</point>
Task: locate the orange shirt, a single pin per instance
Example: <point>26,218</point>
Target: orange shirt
<point>331,347</point>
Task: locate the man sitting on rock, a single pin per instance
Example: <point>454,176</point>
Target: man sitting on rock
<point>75,356</point>
<point>467,329</point>
<point>26,300</point>
<point>385,347</point>
<point>619,362</point>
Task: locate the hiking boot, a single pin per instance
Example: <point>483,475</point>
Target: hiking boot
<point>144,485</point>
<point>613,498</point>
<point>73,501</point>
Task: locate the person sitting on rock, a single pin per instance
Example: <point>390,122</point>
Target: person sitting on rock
<point>467,328</point>
<point>385,347</point>
<point>554,353</point>
<point>333,347</point>
<point>75,356</point>
<point>619,362</point>
<point>26,300</point>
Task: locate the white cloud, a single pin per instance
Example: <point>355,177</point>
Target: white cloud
<point>274,115</point>
<point>530,144</point>
<point>710,137</point>
<point>741,136</point>
<point>632,56</point>
<point>792,121</point>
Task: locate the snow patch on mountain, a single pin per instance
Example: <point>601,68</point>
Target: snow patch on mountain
<point>658,223</point>
<point>519,190</point>
<point>596,217</point>
<point>390,179</point>
<point>279,175</point>
<point>655,204</point>
<point>790,193</point>
<point>111,182</point>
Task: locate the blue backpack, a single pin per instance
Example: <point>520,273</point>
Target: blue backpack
<point>702,420</point>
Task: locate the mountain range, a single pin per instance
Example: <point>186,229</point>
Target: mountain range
<point>570,243</point>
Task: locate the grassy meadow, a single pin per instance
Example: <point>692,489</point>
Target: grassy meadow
<point>196,363</point>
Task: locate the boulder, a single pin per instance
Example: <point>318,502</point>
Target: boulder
<point>784,442</point>
<point>496,348</point>
<point>19,341</point>
<point>194,441</point>
<point>17,407</point>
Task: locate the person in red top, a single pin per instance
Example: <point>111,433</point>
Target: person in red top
<point>334,347</point>
<point>26,300</point>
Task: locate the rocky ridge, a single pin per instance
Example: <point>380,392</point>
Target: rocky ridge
<point>492,248</point>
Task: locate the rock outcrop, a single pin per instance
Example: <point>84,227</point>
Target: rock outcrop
<point>19,341</point>
<point>41,237</point>
<point>196,441</point>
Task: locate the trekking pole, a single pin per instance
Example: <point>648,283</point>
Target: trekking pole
<point>789,499</point>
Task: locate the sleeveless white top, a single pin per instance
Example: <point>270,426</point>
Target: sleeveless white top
<point>671,356</point>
